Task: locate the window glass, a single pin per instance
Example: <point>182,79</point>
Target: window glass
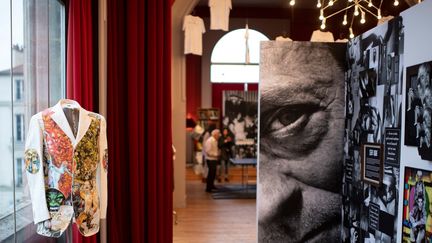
<point>6,131</point>
<point>32,77</point>
<point>229,57</point>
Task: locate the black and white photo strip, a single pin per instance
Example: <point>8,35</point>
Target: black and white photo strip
<point>418,124</point>
<point>240,118</point>
<point>373,104</point>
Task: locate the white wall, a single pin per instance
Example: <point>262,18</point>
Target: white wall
<point>178,98</point>
<point>417,49</point>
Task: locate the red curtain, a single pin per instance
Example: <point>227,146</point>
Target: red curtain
<point>79,70</point>
<point>81,54</point>
<point>139,121</point>
<point>217,90</point>
<point>193,85</point>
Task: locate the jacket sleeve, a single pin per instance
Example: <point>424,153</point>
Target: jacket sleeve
<point>35,171</point>
<point>103,151</point>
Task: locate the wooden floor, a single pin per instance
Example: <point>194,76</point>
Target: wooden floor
<point>207,220</point>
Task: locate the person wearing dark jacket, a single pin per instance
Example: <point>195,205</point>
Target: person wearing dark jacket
<point>225,143</point>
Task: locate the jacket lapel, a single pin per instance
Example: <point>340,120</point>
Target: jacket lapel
<point>59,117</point>
<point>84,124</point>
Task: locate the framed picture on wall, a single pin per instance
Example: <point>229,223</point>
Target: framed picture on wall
<point>372,163</point>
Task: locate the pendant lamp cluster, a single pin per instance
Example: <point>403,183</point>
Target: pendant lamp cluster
<point>353,10</point>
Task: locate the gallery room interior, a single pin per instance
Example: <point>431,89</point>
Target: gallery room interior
<point>216,121</point>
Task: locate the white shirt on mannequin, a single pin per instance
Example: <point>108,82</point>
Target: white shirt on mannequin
<point>281,38</point>
<point>321,36</point>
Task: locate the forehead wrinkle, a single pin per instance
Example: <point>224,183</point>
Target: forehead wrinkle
<point>290,92</point>
<point>297,66</point>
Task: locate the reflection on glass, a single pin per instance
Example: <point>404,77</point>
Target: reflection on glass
<point>6,149</point>
<point>32,76</point>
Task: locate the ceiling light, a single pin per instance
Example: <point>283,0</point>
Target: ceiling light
<point>323,26</point>
<point>321,17</point>
<point>351,35</point>
<point>292,2</point>
<point>345,22</point>
<point>362,20</point>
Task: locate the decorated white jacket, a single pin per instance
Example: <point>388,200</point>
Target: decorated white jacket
<point>66,160</point>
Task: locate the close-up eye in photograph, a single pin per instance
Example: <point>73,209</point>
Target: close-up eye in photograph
<point>287,120</point>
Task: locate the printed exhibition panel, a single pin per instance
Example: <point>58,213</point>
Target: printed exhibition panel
<point>240,119</point>
<point>417,196</point>
<point>372,134</point>
<point>301,141</point>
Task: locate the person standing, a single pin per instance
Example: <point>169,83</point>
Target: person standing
<point>226,141</point>
<point>212,157</point>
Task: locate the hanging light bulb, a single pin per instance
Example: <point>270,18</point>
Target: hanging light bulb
<point>318,4</point>
<point>396,3</point>
<point>321,17</point>
<point>345,22</point>
<point>370,3</point>
<point>351,35</point>
<point>356,12</point>
<point>379,14</point>
<point>292,2</point>
<point>363,19</point>
<point>350,1</point>
<point>323,24</point>
<point>331,3</point>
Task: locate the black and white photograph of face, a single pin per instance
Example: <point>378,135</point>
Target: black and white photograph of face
<point>301,141</point>
<point>418,125</point>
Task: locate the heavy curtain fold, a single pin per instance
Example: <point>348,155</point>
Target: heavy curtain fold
<point>80,75</point>
<point>139,121</point>
<point>81,54</point>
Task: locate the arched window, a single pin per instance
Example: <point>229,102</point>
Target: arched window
<point>228,59</point>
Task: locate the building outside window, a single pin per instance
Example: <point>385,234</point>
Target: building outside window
<point>19,172</point>
<point>19,89</point>
<point>32,78</point>
<point>19,128</point>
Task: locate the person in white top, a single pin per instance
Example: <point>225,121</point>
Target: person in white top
<point>321,36</point>
<point>193,27</point>
<point>212,157</point>
<point>219,14</point>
